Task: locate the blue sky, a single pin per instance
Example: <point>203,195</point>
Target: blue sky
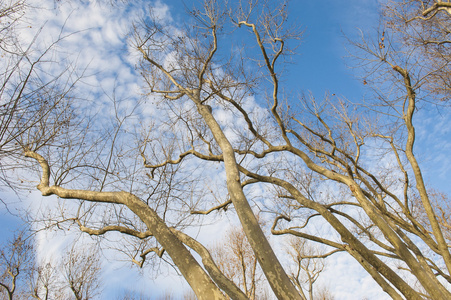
<point>320,67</point>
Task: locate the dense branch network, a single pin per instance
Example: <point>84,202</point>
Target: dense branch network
<point>314,164</point>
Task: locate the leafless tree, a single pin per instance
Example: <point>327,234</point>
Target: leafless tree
<point>44,282</point>
<point>81,269</point>
<point>351,169</point>
<point>16,261</point>
<point>25,277</point>
<point>237,261</point>
<point>308,266</point>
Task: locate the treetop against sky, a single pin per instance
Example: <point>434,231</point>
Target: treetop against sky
<point>171,124</point>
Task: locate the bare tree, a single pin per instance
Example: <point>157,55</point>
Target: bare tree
<point>81,269</point>
<point>16,259</point>
<point>23,276</point>
<point>208,119</point>
<point>44,282</point>
<point>238,263</point>
<point>308,266</point>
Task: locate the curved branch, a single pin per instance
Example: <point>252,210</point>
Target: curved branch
<point>314,238</point>
<point>210,55</point>
<point>346,235</point>
<point>218,207</point>
<point>270,66</point>
<point>421,187</point>
<point>210,157</point>
<point>243,112</point>
<point>122,229</point>
<point>158,251</point>
<point>439,5</point>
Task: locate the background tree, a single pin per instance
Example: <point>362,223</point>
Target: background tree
<point>81,269</point>
<point>76,275</point>
<point>308,267</point>
<point>237,261</point>
<point>16,261</point>
<point>44,282</point>
<point>315,161</point>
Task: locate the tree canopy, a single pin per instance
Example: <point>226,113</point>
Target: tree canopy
<point>215,131</point>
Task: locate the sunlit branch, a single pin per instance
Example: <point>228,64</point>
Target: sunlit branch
<point>346,235</point>
<point>161,68</point>
<point>321,256</point>
<point>166,94</point>
<point>365,230</point>
<point>375,274</point>
<point>114,228</point>
<point>158,251</point>
<point>436,7</point>
<point>344,166</point>
<point>243,112</point>
<point>210,56</point>
<point>408,117</point>
<point>270,66</point>
<point>303,235</point>
<point>181,257</point>
<point>438,270</point>
<point>436,42</point>
<point>322,154</point>
<point>262,154</point>
<point>210,157</point>
<point>223,206</point>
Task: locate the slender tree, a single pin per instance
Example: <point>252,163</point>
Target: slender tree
<point>307,267</point>
<point>238,263</point>
<point>81,270</point>
<point>16,259</point>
